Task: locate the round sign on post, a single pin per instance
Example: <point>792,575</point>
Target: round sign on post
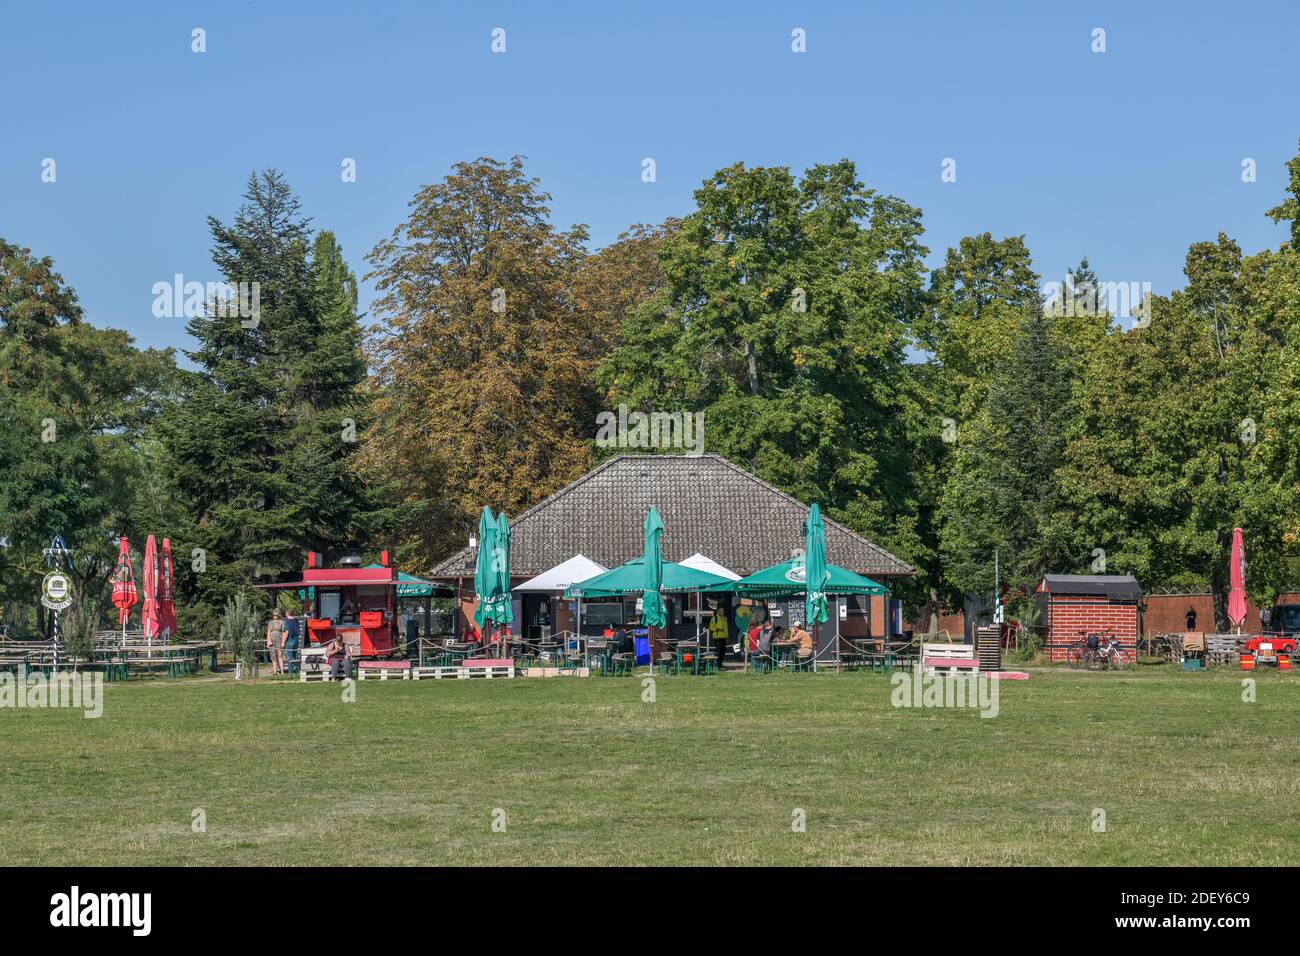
<point>56,591</point>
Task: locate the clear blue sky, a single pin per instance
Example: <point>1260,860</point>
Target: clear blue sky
<point>1125,156</point>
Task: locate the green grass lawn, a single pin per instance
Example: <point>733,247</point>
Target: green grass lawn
<point>711,772</point>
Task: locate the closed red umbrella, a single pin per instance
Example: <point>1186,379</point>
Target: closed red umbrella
<point>166,598</point>
<point>1237,580</point>
<point>124,594</point>
<point>150,619</point>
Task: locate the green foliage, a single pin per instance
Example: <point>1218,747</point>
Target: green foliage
<point>784,316</point>
<point>77,403</point>
<point>239,630</point>
<point>77,632</point>
<point>1001,494</point>
<point>263,437</point>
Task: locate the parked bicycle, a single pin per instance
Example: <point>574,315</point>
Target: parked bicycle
<point>1098,651</point>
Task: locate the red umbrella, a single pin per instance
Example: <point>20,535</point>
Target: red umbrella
<point>166,602</point>
<point>123,584</point>
<point>150,618</point>
<point>1237,580</point>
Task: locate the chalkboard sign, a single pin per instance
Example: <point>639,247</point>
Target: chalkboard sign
<point>786,612</point>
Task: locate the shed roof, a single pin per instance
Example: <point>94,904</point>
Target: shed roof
<point>1119,587</point>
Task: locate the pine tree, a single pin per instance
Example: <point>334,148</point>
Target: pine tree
<point>260,442</point>
<point>1002,493</point>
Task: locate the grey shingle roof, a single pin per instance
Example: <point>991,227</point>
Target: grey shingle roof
<point>1120,587</point>
<point>708,505</point>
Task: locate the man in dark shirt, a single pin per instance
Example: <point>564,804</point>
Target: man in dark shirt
<point>292,641</point>
<point>1191,618</point>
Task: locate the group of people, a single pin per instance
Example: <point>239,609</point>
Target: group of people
<point>762,636</point>
<point>283,641</point>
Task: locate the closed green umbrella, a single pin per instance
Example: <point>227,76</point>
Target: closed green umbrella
<point>505,612</point>
<point>818,574</point>
<point>652,602</point>
<point>485,580</point>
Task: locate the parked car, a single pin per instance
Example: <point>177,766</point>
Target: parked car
<point>1285,619</point>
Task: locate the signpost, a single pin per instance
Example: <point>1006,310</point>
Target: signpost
<point>56,588</point>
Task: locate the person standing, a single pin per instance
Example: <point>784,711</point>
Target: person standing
<point>292,642</point>
<point>275,641</point>
<point>719,634</point>
<point>1191,618</point>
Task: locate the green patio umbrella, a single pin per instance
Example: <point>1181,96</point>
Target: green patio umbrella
<point>485,581</point>
<point>652,571</point>
<point>630,579</point>
<point>815,571</point>
<point>790,578</point>
<point>505,612</point>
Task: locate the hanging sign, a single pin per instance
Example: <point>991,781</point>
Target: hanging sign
<point>56,591</point>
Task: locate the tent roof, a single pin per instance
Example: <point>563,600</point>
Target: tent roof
<point>787,578</point>
<point>628,579</point>
<point>702,563</point>
<point>577,568</point>
<point>408,585</point>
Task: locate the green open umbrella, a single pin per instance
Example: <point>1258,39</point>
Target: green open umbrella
<point>504,611</point>
<point>485,580</point>
<point>789,578</point>
<point>652,602</point>
<point>816,573</point>
<point>630,579</point>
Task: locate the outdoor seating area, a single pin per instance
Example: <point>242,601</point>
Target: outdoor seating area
<point>117,659</point>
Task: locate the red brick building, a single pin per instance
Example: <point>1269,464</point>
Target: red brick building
<point>1075,605</point>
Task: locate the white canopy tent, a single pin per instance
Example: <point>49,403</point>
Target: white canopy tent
<point>701,563</point>
<point>577,569</point>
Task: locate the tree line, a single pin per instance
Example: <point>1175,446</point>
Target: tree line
<point>946,413</point>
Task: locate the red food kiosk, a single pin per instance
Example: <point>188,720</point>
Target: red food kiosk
<point>358,604</point>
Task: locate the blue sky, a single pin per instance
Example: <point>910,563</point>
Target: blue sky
<point>1126,156</point>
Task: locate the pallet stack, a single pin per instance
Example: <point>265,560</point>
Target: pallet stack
<point>988,643</point>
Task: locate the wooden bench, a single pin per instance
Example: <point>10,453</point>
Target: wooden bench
<point>383,670</point>
<point>949,658</point>
<point>437,673</point>
<point>489,667</point>
<point>313,665</point>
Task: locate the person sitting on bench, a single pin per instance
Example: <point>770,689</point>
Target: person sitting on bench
<point>804,639</point>
<point>336,655</point>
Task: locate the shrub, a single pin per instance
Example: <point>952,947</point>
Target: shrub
<point>238,632</point>
<point>77,634</point>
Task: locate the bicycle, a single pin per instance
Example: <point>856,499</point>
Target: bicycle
<point>1097,651</point>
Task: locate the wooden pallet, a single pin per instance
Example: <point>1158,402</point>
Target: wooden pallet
<point>949,659</point>
<point>489,671</point>
<point>384,670</point>
<point>988,640</point>
<point>1222,648</point>
<point>437,673</point>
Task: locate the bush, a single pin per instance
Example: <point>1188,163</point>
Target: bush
<point>239,630</point>
<point>77,634</point>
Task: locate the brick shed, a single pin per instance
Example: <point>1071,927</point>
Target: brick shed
<point>1077,604</point>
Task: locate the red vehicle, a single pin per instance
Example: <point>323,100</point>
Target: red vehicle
<point>357,603</point>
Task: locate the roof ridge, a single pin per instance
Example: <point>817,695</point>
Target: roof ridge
<point>553,496</point>
<point>789,497</point>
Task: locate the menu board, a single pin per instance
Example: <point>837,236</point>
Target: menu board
<point>785,612</point>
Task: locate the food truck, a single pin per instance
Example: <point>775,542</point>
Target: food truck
<point>356,603</point>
